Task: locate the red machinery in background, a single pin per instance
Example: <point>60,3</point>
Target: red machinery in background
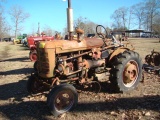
<point>32,41</point>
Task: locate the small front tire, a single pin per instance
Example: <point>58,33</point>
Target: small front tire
<point>34,86</point>
<point>35,66</point>
<point>62,98</point>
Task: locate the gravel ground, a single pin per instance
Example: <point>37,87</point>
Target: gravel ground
<point>143,103</point>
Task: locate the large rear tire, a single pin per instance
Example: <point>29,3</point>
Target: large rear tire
<point>62,98</point>
<point>126,71</point>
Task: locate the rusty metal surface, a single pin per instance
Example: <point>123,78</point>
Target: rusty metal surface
<point>153,58</point>
<point>51,48</point>
<point>117,51</point>
<point>62,46</point>
<point>130,72</point>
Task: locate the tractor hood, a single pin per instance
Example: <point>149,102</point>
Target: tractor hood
<point>62,46</point>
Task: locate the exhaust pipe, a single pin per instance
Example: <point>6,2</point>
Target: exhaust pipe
<point>70,19</point>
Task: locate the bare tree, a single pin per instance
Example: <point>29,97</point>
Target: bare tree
<point>18,16</point>
<point>48,30</point>
<point>123,12</point>
<point>156,26</point>
<point>117,22</point>
<point>120,17</point>
<point>80,22</point>
<point>139,13</point>
<point>152,8</point>
<point>83,23</point>
<point>130,17</point>
<point>90,27</point>
<point>4,27</point>
<point>86,25</point>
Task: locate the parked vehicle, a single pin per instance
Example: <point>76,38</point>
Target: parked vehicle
<point>61,64</point>
<point>83,62</point>
<point>32,41</point>
<point>19,39</point>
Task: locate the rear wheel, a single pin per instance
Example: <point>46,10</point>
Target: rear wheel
<point>126,71</point>
<point>62,98</point>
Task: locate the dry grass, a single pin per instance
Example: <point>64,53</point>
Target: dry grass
<point>16,104</point>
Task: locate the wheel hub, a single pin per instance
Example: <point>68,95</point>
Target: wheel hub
<point>64,100</point>
<point>130,73</point>
<point>34,57</point>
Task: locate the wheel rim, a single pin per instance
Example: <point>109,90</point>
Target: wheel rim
<point>64,101</point>
<point>130,73</point>
<point>33,56</point>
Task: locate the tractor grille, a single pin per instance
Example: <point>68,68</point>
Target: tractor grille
<point>43,61</point>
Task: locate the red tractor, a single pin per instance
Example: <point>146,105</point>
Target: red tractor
<point>32,41</point>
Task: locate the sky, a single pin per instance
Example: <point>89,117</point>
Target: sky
<point>52,13</point>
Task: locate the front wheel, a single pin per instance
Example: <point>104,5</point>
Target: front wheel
<point>34,85</point>
<point>35,66</point>
<point>33,56</point>
<point>62,98</point>
<point>126,71</point>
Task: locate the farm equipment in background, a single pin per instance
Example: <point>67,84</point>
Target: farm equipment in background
<point>152,63</point>
<point>24,42</point>
<point>19,39</point>
<point>32,41</point>
<point>82,61</point>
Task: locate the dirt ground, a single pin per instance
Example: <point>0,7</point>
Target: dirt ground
<point>143,103</point>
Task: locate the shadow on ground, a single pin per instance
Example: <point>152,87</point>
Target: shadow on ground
<point>38,109</point>
<point>147,102</point>
<point>24,59</point>
<point>15,90</point>
<point>18,71</point>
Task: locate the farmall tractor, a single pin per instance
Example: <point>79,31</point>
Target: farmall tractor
<point>62,64</point>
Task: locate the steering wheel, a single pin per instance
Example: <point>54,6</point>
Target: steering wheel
<point>101,31</point>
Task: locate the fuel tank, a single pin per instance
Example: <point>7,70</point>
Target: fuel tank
<point>63,46</point>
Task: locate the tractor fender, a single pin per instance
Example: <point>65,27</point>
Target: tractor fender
<point>33,47</point>
<point>118,51</point>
